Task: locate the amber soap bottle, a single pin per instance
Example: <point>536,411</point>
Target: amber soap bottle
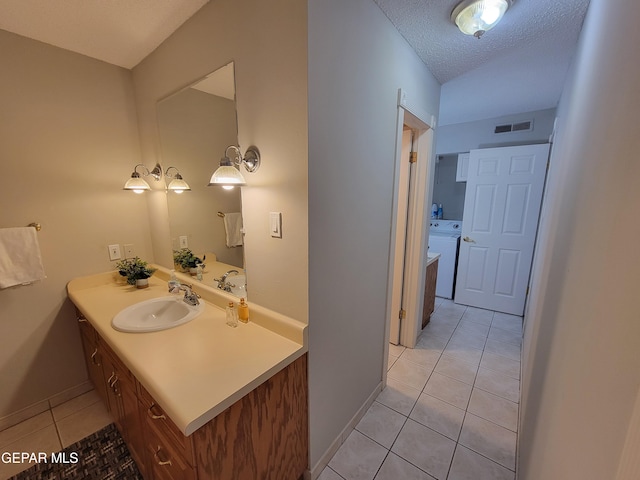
<point>243,311</point>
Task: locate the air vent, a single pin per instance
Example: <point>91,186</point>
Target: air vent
<point>526,126</point>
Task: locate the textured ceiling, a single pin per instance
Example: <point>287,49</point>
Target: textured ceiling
<point>520,65</point>
<point>120,32</point>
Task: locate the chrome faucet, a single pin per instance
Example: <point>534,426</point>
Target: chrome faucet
<point>190,297</point>
<point>222,281</point>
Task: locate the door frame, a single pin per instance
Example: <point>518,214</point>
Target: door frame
<point>415,246</point>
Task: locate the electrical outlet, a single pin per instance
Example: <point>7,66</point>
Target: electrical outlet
<point>114,252</point>
<point>183,241</point>
<point>129,252</point>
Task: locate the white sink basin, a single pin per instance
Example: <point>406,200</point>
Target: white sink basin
<point>239,282</point>
<point>156,314</point>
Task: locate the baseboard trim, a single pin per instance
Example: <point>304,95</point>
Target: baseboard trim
<point>44,405</point>
<point>335,445</point>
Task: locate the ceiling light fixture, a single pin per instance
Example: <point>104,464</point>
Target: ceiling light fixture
<point>227,175</point>
<point>475,17</point>
<point>137,183</point>
<point>177,184</point>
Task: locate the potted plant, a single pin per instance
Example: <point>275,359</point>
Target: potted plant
<point>136,270</point>
<point>187,260</point>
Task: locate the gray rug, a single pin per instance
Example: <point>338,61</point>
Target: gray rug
<point>101,456</point>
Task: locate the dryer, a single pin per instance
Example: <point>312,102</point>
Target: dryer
<point>444,238</point>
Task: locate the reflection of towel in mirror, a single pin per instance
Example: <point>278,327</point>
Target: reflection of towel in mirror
<point>233,228</point>
<point>20,261</point>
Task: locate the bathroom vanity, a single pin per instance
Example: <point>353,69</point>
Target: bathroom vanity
<point>201,400</point>
<point>431,277</point>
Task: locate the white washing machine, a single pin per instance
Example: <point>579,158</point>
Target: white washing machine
<point>444,238</point>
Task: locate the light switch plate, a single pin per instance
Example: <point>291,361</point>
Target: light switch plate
<point>183,241</point>
<point>129,251</point>
<point>114,252</point>
<point>275,224</point>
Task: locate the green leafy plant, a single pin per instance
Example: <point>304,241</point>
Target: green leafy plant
<point>186,259</point>
<point>134,269</point>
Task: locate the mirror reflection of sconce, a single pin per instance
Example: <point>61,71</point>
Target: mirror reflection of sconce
<point>177,184</point>
<point>227,175</point>
<point>139,185</point>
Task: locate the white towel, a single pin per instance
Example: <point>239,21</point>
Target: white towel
<point>20,260</point>
<point>233,228</point>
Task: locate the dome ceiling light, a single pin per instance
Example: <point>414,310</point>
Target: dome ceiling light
<point>475,17</point>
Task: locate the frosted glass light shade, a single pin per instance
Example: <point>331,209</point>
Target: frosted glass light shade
<point>474,17</point>
<point>227,176</point>
<point>137,184</point>
<point>178,185</point>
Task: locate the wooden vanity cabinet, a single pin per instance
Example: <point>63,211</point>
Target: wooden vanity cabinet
<point>429,292</point>
<point>263,435</point>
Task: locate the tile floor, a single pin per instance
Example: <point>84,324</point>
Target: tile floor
<point>53,430</point>
<point>450,408</point>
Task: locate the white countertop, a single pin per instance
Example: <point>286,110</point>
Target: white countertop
<point>197,370</point>
<point>432,257</point>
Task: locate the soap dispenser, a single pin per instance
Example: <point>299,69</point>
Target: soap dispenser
<point>243,311</point>
<point>232,315</point>
<point>174,284</point>
<point>440,212</point>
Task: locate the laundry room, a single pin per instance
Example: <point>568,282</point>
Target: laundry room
<point>454,142</point>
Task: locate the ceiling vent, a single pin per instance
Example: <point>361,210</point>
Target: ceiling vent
<point>525,126</point>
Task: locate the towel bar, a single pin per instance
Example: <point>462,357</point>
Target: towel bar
<point>35,225</point>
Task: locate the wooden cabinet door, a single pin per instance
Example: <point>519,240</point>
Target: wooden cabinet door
<point>93,358</point>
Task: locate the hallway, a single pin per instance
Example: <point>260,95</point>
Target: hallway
<point>450,408</point>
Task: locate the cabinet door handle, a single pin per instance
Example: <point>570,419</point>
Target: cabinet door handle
<point>82,319</point>
<point>113,374</point>
<point>153,415</point>
<point>159,460</point>
<point>94,356</point>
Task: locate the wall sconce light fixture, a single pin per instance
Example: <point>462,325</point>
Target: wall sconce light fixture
<point>474,17</point>
<point>177,184</point>
<point>137,183</point>
<point>227,175</point>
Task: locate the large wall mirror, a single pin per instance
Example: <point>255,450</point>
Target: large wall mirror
<point>196,125</point>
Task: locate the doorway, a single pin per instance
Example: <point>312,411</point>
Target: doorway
<point>410,224</point>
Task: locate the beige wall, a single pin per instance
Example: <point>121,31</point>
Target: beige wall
<point>68,142</point>
<point>270,54</point>
<point>581,369</point>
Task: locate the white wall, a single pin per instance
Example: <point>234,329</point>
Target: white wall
<point>582,337</point>
<point>462,137</point>
<point>357,62</point>
<point>68,142</point>
<point>269,49</point>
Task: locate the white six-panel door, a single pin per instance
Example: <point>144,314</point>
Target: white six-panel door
<point>500,221</point>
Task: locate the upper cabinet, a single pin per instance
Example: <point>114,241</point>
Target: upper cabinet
<point>463,167</point>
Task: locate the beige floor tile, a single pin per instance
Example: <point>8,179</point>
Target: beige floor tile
<point>473,327</point>
<point>391,359</point>
<point>425,448</point>
<point>396,468</point>
<point>463,352</point>
<point>438,415</point>
<point>500,364</point>
<point>495,409</point>
<point>83,423</point>
<point>358,458</point>
<point>396,350</point>
<point>468,338</point>
<point>75,405</point>
<point>508,350</point>
<point>398,396</point>
<point>25,428</point>
<point>498,384</point>
<point>439,329</point>
<point>44,440</point>
<point>456,368</point>
<point>410,373</point>
<point>381,424</point>
<point>490,440</point>
<point>506,336</point>
<point>478,315</point>
<point>507,322</point>
<point>431,342</point>
<point>468,465</point>
<point>328,474</point>
<point>421,356</point>
<point>449,389</point>
<point>450,309</point>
